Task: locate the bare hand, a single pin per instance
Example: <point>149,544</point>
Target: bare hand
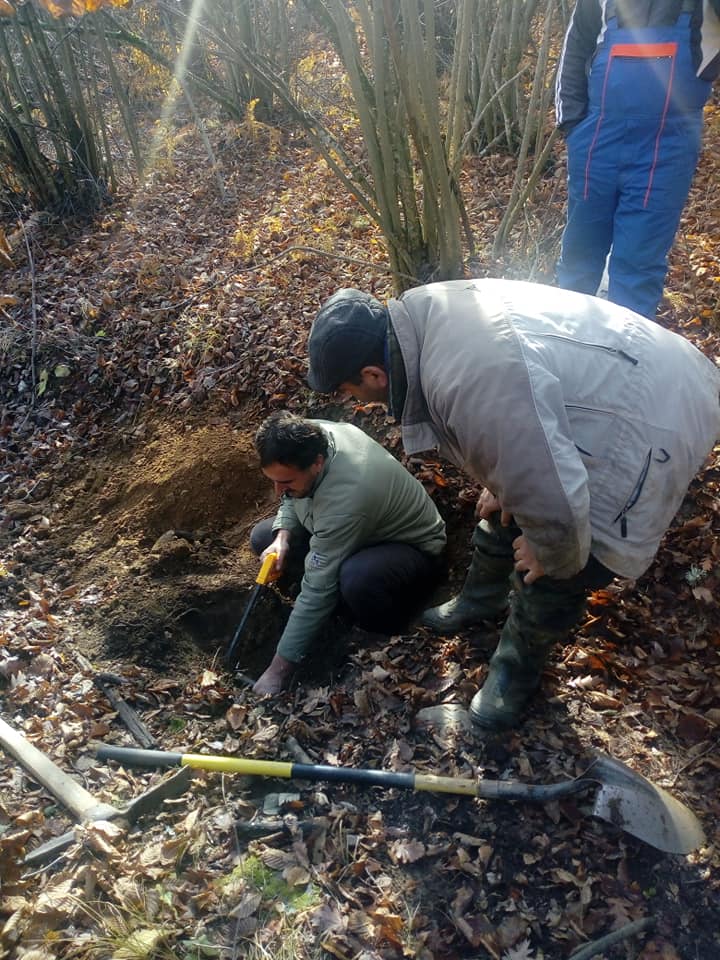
<point>487,505</point>
<point>277,676</point>
<point>279,546</point>
<point>525,560</point>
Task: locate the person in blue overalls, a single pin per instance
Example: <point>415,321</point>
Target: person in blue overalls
<point>632,82</point>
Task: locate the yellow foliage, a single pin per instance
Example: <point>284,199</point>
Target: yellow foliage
<point>140,944</point>
<point>250,112</point>
<point>244,243</point>
<point>306,66</point>
<point>272,224</point>
<point>259,131</point>
<point>77,8</point>
<point>320,68</point>
<point>323,238</point>
<point>146,78</point>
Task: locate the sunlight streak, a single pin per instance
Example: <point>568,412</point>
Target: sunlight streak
<point>162,127</point>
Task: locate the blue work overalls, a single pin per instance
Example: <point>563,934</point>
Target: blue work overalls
<point>631,161</point>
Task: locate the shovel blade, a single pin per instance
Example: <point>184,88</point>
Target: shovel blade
<point>629,801</point>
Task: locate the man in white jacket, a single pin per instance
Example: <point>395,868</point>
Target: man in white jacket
<point>583,421</point>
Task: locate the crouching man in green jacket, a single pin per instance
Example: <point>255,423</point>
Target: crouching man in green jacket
<point>371,535</point>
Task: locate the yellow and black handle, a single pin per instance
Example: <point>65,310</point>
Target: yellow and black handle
<point>488,789</point>
<point>130,756</point>
<point>267,574</point>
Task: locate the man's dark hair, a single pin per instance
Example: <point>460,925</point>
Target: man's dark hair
<point>290,440</point>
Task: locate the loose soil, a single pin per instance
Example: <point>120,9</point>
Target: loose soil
<point>152,545</point>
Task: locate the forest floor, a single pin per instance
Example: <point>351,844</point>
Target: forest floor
<point>140,350</point>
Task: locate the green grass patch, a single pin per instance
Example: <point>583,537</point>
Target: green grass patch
<point>271,885</point>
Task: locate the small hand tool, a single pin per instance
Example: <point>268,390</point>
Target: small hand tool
<point>267,574</point>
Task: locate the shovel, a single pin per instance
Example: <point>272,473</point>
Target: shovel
<point>620,796</point>
<point>267,574</point>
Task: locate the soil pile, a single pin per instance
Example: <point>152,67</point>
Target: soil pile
<point>151,548</point>
<point>198,480</point>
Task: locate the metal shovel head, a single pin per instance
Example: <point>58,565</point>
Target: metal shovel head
<point>630,802</point>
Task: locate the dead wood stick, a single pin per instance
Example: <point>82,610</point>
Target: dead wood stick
<point>297,751</point>
<point>126,713</point>
<point>265,828</point>
<point>597,946</point>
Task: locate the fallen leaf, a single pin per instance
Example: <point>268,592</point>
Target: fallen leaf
<point>658,950</point>
<point>236,716</point>
<point>406,851</point>
<point>702,593</point>
<point>140,944</point>
<point>296,876</point>
<point>520,952</point>
<point>277,859</point>
<point>247,906</point>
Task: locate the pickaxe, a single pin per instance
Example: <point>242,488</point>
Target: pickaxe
<point>79,801</point>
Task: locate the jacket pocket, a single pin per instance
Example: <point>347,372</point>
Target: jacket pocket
<point>593,431</point>
<point>634,496</point>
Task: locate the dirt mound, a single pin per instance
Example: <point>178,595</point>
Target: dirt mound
<point>205,479</point>
<point>152,547</point>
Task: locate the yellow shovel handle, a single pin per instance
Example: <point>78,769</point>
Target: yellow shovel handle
<point>268,573</point>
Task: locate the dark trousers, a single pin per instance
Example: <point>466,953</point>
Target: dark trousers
<point>382,587</point>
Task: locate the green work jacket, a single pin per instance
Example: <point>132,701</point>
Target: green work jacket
<point>363,496</point>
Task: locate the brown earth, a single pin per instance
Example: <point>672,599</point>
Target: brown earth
<point>152,545</point>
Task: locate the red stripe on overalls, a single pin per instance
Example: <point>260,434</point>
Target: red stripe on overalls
<point>640,51</point>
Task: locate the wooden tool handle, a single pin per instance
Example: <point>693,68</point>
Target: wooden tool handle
<point>67,791</point>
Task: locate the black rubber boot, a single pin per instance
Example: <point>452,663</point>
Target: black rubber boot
<point>484,595</point>
<point>542,615</point>
<point>514,675</point>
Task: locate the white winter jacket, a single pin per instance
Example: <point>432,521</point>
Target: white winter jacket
<point>587,421</point>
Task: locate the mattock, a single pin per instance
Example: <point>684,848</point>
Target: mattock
<point>74,797</point>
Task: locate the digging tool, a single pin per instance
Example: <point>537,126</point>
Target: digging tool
<point>621,797</point>
<point>80,802</point>
<point>267,574</point>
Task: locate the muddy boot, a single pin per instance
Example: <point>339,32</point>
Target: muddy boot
<point>514,675</point>
<point>542,614</point>
<point>484,595</point>
<point>277,676</point>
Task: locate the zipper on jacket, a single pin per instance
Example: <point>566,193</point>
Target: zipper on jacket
<point>590,346</point>
<point>634,496</point>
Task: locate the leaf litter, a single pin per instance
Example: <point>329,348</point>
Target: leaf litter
<point>158,353</point>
